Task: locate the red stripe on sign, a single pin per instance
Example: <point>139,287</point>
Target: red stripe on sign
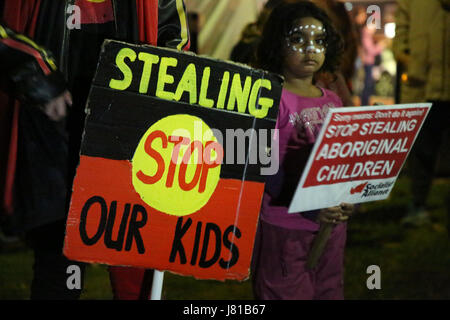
<point>32,52</point>
<point>109,223</point>
<point>365,149</point>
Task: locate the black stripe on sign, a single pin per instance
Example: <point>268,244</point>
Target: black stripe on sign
<point>117,121</point>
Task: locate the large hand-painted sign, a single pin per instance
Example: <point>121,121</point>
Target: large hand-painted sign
<point>358,155</point>
<point>166,178</point>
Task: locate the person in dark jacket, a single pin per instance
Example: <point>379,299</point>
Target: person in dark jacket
<point>29,73</point>
<point>48,148</point>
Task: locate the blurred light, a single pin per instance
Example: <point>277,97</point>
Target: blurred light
<point>404,77</point>
<point>348,6</point>
<point>389,30</point>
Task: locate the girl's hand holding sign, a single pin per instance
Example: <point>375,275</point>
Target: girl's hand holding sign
<point>335,215</point>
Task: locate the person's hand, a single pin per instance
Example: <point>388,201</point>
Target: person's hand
<point>347,209</point>
<point>56,109</point>
<point>337,214</point>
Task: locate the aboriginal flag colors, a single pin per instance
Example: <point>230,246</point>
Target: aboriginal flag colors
<point>170,166</point>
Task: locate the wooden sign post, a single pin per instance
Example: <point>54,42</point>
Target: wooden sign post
<point>162,182</point>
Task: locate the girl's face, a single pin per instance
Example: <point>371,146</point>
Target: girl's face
<point>304,52</point>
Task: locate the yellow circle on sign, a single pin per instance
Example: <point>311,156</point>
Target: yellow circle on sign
<point>176,165</point>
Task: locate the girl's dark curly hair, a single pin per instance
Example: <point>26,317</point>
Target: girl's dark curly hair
<point>281,20</point>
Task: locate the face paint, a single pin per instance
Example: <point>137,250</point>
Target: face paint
<point>307,38</point>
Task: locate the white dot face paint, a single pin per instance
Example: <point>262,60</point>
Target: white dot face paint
<point>307,38</point>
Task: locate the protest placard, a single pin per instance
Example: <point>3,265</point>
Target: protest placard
<point>162,182</point>
<point>358,155</point>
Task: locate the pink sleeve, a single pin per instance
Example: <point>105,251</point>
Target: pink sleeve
<point>283,116</point>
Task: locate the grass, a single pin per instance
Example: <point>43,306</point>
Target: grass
<point>414,263</point>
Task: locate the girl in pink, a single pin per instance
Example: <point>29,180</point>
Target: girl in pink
<point>298,41</point>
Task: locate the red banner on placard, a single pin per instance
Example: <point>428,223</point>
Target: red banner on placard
<point>355,147</point>
<point>364,149</point>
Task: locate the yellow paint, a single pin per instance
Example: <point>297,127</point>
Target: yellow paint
<point>203,100</point>
<point>149,60</point>
<point>239,95</point>
<point>123,84</point>
<point>165,78</point>
<point>162,195</point>
<point>264,103</point>
<point>188,83</point>
<point>223,90</point>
